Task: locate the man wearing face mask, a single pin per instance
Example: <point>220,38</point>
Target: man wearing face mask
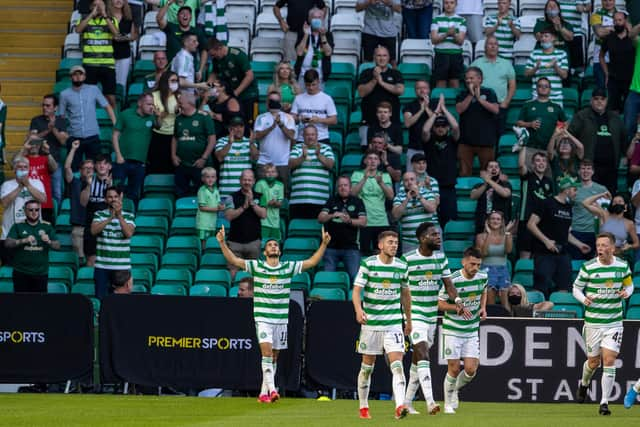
<point>314,47</point>
<point>275,132</point>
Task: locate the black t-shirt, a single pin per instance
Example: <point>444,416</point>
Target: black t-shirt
<point>478,126</point>
<point>343,236</point>
<point>498,203</point>
<point>622,54</point>
<point>122,50</point>
<point>394,137</point>
<point>246,227</point>
<point>415,131</point>
<point>41,123</point>
<point>442,157</point>
<point>378,94</point>
<point>603,154</point>
<point>534,191</point>
<point>555,221</point>
<point>298,11</point>
<point>96,198</point>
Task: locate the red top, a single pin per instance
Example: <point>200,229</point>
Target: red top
<point>39,169</point>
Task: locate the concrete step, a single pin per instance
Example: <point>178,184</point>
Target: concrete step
<point>43,74</point>
<point>20,99</point>
<point>29,40</point>
<point>22,112</point>
<point>26,87</point>
<point>36,27</point>
<point>12,50</point>
<point>38,4</point>
<point>12,63</point>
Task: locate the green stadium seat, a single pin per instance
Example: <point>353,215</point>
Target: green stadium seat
<point>147,244</point>
<point>233,291</point>
<point>202,290</point>
<point>455,248</point>
<point>65,259</point>
<point>213,277</point>
<point>134,92</point>
<point>329,294</point>
<point>152,225</point>
<point>352,143</point>
<point>633,313</point>
<point>454,263</point>
<point>516,186</point>
<point>87,289</point>
<point>301,282</point>
<point>174,276</point>
<point>6,287</point>
<point>343,71</point>
<point>159,183</point>
<point>466,209</point>
<point>509,164</point>
<point>332,279</point>
<point>523,278</point>
<point>139,289</point>
<point>65,206</point>
<point>61,85</point>
<point>63,223</point>
<point>513,114</point>
<point>524,265</point>
<point>156,207</point>
<point>212,246</point>
<point>65,242</point>
<point>183,226</point>
<point>414,71</point>
<point>213,261</point>
<point>142,68</point>
<point>85,276</point>
<point>563,298</point>
<point>340,91</point>
<point>57,288</point>
<point>179,260</point>
<point>239,276</point>
<point>304,228</point>
<point>506,143</point>
<point>365,66</point>
<point>570,98</point>
<point>350,163</point>
<point>633,301</point>
<point>175,290</point>
<point>263,70</point>
<point>61,274</point>
<point>142,260</point>
<point>186,206</point>
<point>355,120</point>
<point>585,98</point>
<point>535,297</point>
<point>142,276</point>
<point>65,66</point>
<point>460,230</point>
<point>189,244</point>
<point>578,309</point>
<point>521,96</point>
<point>300,246</point>
<point>465,184</point>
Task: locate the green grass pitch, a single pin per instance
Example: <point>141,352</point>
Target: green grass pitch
<point>17,410</point>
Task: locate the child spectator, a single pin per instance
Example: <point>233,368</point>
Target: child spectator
<point>272,192</point>
<point>208,205</point>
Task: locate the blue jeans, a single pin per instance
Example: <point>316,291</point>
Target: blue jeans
<point>349,257</point>
<point>131,172</point>
<point>418,22</point>
<point>631,111</point>
<point>56,185</point>
<point>102,282</point>
<point>498,277</point>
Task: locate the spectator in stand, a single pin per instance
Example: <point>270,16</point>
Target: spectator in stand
<point>97,30</point>
<point>244,212</point>
<point>620,47</point>
<point>519,305</point>
<point>78,106</point>
<point>583,226</point>
<point>128,32</point>
<point>314,107</point>
<point>165,103</point>
<point>235,153</point>
<point>415,116</point>
<point>550,225</point>
<point>572,11</point>
<point>173,9</point>
<point>495,242</point>
<point>14,193</point>
<point>417,16</point>
<point>550,62</point>
<point>505,27</point>
<point>448,31</point>
<point>193,142</point>
<point>112,228</point>
<point>389,160</point>
<point>297,12</point>
<point>311,163</point>
<point>380,27</point>
<point>391,132</point>
<point>602,24</point>
<point>209,204</point>
<point>494,194</point>
<point>122,282</point>
<point>378,84</point>
<point>76,182</point>
<point>284,82</point>
<point>632,104</point>
<point>633,155</point>
<point>471,11</point>
<point>540,117</point>
<point>30,241</point>
<point>612,220</point>
<point>232,65</point>
<point>635,201</point>
<point>272,198</point>
<point>441,134</point>
<point>412,206</point>
<point>41,166</point>
<point>554,22</point>
<point>478,109</point>
<point>565,152</point>
<point>131,138</point>
<point>160,65</point>
<point>54,131</point>
<point>212,20</point>
<point>92,199</point>
<point>604,138</point>
<point>183,64</point>
<point>419,165</point>
<point>498,75</point>
<point>314,47</point>
<point>221,104</point>
<point>174,29</point>
<point>276,131</point>
<point>343,215</point>
<point>536,187</point>
<point>373,187</point>
<point>245,287</point>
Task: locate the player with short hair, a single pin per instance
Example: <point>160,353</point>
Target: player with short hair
<point>272,287</point>
<point>602,283</point>
<point>428,270</point>
<point>382,279</point>
<point>460,338</point>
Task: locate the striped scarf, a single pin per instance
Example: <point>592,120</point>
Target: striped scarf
<point>215,23</point>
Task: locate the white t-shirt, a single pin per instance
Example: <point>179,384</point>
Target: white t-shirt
<point>470,7</point>
<point>183,66</point>
<point>275,147</point>
<point>634,191</point>
<point>14,213</point>
<point>320,105</point>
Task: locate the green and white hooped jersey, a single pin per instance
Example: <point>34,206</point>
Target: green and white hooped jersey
<point>271,289</point>
<point>382,285</point>
<point>601,283</point>
<point>503,33</point>
<point>237,159</point>
<point>470,290</point>
<point>310,181</point>
<point>425,280</point>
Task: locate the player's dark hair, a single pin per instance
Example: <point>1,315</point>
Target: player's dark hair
<point>472,251</point>
<point>422,229</point>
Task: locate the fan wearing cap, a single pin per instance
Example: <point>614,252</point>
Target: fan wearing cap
<point>603,135</point>
<point>550,225</point>
<point>235,153</point>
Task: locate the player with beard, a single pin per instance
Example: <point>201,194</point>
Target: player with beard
<point>272,287</point>
<point>428,270</point>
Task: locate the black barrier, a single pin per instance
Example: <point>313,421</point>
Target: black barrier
<point>520,359</point>
<point>190,343</point>
<point>45,338</point>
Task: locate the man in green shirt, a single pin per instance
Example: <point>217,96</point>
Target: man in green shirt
<point>131,137</point>
<point>272,192</point>
<point>632,104</point>
<point>193,141</point>
<point>30,241</point>
<point>232,64</point>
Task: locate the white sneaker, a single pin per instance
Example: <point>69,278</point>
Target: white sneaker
<point>449,410</point>
<point>433,408</point>
<point>412,410</point>
<point>455,402</point>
